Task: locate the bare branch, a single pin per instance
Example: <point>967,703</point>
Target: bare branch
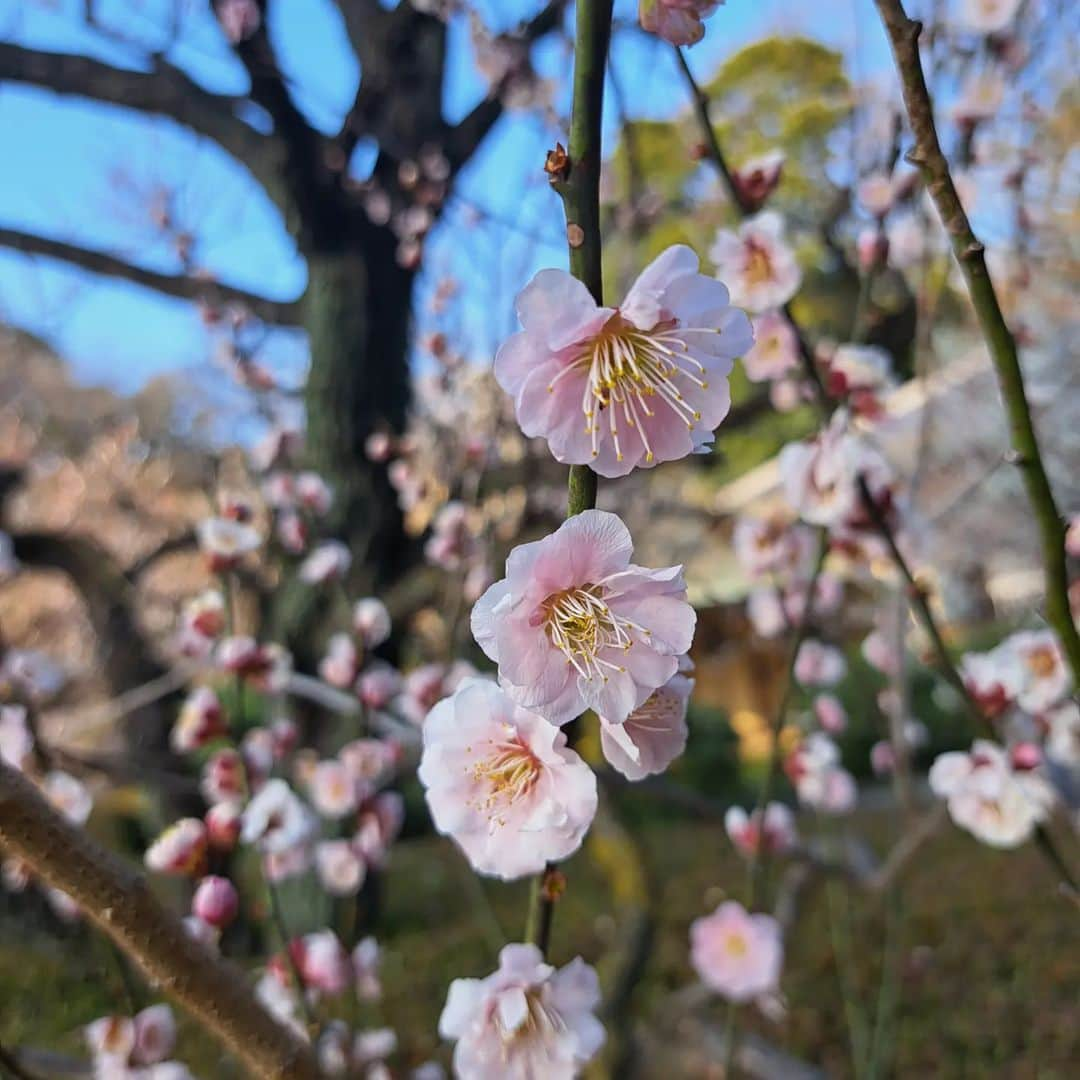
<point>284,313</point>
<point>928,156</point>
<point>119,901</point>
<point>165,91</point>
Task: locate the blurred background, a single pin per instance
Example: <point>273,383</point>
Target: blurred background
<point>224,221</point>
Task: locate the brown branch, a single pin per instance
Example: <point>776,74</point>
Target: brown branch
<point>285,313</point>
<point>163,91</point>
<point>120,902</point>
<point>930,159</point>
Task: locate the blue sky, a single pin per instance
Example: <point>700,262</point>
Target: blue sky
<point>79,171</point>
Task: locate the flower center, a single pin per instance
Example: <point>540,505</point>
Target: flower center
<point>1042,663</point>
<point>757,269</point>
<point>510,771</point>
<point>630,372</point>
<point>581,625</point>
<point>735,946</point>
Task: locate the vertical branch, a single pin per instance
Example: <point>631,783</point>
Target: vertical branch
<point>121,903</point>
<point>578,183</point>
<point>930,159</point>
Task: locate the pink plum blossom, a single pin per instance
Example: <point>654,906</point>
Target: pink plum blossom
<point>16,742</point>
<point>881,653</point>
<point>378,825</point>
<point>676,21</point>
<point>1063,734</point>
<point>997,803</point>
<point>333,789</point>
<point>224,543</point>
<point>313,493</point>
<point>756,263</point>
<point>201,720</point>
<point>502,782</point>
<point>993,680</point>
<point>830,713</point>
<point>341,870</point>
<point>223,779</point>
<point>775,545</point>
<point>276,819</point>
<point>757,178</point>
<point>575,625</point>
<point>820,477</point>
<point>111,1038</point>
<point>68,795</point>
<point>737,954</point>
<point>267,667</point>
<point>340,665</point>
<point>619,388</point>
<point>981,96</point>
<point>155,1035</point>
<point>323,963</point>
<point>776,349</point>
<point>428,684</point>
<point>205,613</point>
<point>216,901</point>
<point>524,1021</point>
<point>180,849</point>
<point>819,780</point>
<point>988,16</point>
<point>378,685</point>
<point>653,735</point>
<point>239,19</point>
<point>366,958</point>
<point>876,192</point>
<point>330,561</point>
<point>773,831</point>
<point>222,823</point>
<point>371,621</point>
<point>1046,678</point>
<point>817,664</point>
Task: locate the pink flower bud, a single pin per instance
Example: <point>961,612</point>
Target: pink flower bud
<point>216,901</point>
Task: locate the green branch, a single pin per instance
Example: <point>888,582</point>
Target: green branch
<point>577,181</point>
<point>928,156</point>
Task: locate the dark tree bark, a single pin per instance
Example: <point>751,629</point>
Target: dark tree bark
<point>357,306</point>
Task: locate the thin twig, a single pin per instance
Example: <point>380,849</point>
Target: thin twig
<point>928,156</point>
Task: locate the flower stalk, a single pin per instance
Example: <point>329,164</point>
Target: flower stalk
<point>578,183</point>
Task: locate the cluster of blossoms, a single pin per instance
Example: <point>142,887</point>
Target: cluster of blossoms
<point>1001,793</point>
<point>135,1048</point>
<point>297,498</point>
<point>778,557</point>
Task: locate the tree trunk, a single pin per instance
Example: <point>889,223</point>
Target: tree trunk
<point>356,312</point>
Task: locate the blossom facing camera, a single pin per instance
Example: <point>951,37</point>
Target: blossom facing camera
<point>502,783</point>
<point>525,1020</point>
<point>756,263</point>
<point>626,387</point>
<point>737,954</point>
<point>676,21</point>
<point>575,625</point>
